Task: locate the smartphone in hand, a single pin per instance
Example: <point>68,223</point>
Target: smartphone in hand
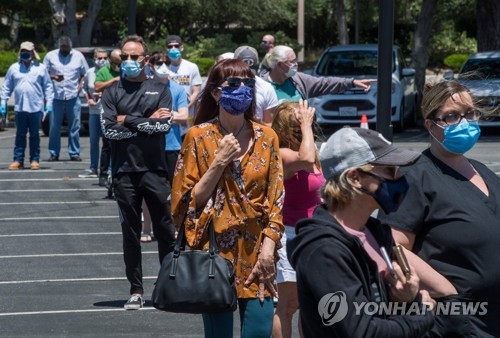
<point>399,253</point>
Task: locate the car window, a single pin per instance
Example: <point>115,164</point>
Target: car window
<point>349,63</point>
<point>481,69</point>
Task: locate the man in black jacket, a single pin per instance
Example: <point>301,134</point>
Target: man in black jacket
<point>344,285</point>
<point>136,117</point>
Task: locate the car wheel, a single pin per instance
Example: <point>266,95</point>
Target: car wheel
<point>46,126</point>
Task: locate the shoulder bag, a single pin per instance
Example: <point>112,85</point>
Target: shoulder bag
<point>195,281</point>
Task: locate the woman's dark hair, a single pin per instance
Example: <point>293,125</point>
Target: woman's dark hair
<point>207,107</point>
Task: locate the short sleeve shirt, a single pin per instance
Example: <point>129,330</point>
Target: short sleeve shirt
<point>173,139</point>
<point>186,74</point>
<point>456,226</point>
<point>265,97</point>
<point>105,74</point>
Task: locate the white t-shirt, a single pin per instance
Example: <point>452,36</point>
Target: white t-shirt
<point>186,74</point>
<point>265,97</point>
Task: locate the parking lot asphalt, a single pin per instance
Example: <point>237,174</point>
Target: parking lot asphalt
<point>61,267</point>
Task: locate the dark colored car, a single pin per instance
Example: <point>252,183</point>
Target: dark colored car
<point>88,52</point>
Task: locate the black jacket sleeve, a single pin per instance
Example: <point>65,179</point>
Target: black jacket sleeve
<point>110,128</point>
<point>325,270</point>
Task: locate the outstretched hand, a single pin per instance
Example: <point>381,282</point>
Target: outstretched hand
<point>365,84</point>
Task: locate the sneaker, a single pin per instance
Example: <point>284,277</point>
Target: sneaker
<point>135,302</point>
<point>16,166</point>
<point>35,165</point>
<point>89,173</point>
<point>53,158</point>
<point>103,179</point>
<point>76,158</point>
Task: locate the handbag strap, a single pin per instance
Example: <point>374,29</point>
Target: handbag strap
<point>180,243</point>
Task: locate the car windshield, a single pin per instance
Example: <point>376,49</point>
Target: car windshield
<point>349,63</point>
<point>481,69</point>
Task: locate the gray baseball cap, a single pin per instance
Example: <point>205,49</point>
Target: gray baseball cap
<point>247,54</point>
<point>355,147</point>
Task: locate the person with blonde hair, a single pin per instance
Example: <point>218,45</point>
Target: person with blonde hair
<point>449,222</point>
<point>338,254</point>
<point>293,122</point>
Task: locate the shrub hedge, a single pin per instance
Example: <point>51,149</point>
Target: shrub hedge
<point>455,61</point>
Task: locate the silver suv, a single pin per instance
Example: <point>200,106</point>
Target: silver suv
<point>360,62</point>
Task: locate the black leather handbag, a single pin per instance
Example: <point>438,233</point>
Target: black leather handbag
<point>195,281</point>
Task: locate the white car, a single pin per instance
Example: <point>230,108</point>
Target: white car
<point>481,74</point>
<point>360,62</point>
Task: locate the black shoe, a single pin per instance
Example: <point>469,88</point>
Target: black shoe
<point>103,179</point>
<point>76,158</point>
<point>53,158</point>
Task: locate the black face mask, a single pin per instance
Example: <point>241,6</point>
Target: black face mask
<point>64,53</point>
<point>390,193</point>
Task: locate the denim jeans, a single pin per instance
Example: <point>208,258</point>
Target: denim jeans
<point>94,136</point>
<point>72,109</point>
<point>27,122</point>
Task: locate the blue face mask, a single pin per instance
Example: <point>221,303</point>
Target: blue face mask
<point>390,193</point>
<point>130,68</point>
<point>460,138</point>
<point>25,56</point>
<point>174,54</point>
<point>236,101</point>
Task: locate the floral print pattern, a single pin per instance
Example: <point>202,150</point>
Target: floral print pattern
<point>246,205</point>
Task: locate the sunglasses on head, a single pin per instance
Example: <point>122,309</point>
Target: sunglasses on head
<point>237,81</point>
<point>173,46</point>
<point>133,57</point>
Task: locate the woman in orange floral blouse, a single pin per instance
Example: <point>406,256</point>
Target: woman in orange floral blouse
<point>233,169</point>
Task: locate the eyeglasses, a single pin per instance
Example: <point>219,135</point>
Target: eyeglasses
<point>455,117</point>
<point>390,171</point>
<point>133,57</point>
<point>173,46</point>
<point>266,42</point>
<point>160,63</point>
<point>102,58</point>
<point>237,81</point>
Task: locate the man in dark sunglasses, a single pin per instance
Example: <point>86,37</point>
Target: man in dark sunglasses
<point>267,44</point>
<point>135,119</point>
<point>184,72</point>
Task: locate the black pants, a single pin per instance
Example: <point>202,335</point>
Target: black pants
<point>130,189</point>
<point>171,157</point>
<point>105,157</point>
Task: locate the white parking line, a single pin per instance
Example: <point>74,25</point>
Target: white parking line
<point>68,311</point>
<point>73,254</point>
<point>54,217</point>
<point>64,234</point>
<point>47,179</point>
<point>51,190</point>
<point>66,280</point>
<point>62,202</point>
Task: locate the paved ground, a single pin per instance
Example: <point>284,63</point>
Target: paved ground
<point>61,267</point>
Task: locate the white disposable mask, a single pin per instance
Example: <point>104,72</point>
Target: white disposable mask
<point>162,71</point>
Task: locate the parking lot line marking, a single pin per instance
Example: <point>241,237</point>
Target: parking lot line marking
<point>52,190</point>
<point>65,280</point>
<point>68,311</point>
<point>54,217</point>
<point>73,254</point>
<point>47,179</point>
<point>63,234</point>
<point>62,202</point>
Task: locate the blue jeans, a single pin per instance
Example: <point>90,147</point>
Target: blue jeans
<point>256,320</point>
<point>94,136</point>
<point>27,122</point>
<point>72,109</point>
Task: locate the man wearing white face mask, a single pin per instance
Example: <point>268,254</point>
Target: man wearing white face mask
<point>94,100</point>
<point>292,86</point>
<point>184,72</point>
